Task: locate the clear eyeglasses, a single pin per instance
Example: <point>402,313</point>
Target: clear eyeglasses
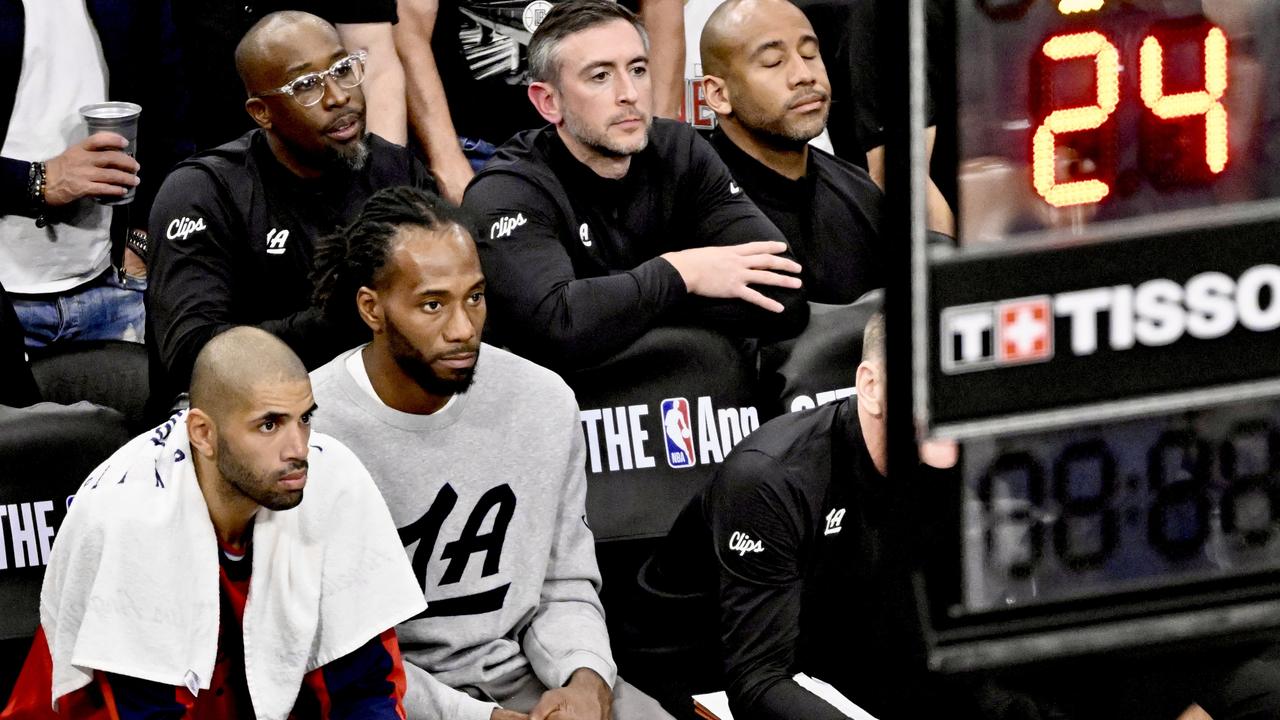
<point>307,90</point>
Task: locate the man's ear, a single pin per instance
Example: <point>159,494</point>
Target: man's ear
<point>203,433</point>
<point>259,111</point>
<point>546,101</point>
<point>870,386</point>
<point>715,92</point>
<point>370,309</point>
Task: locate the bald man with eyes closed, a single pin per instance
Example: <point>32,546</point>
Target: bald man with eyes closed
<point>768,85</point>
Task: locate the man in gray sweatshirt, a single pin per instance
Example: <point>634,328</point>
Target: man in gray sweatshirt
<point>480,457</point>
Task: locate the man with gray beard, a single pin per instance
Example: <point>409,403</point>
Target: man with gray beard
<point>234,227</point>
<point>607,222</point>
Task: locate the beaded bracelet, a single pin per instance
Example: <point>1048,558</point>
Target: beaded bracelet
<point>35,189</point>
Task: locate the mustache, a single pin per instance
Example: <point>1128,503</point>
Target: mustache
<point>808,96</point>
<point>293,468</point>
<point>620,117</point>
<point>460,350</point>
<point>342,120</point>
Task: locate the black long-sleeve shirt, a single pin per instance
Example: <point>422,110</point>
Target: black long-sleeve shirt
<point>233,234</point>
<point>831,217</point>
<point>795,517</point>
<point>572,258</point>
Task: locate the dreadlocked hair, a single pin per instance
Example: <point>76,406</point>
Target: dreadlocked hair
<point>356,255</point>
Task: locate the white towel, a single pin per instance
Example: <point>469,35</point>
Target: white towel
<point>132,587</point>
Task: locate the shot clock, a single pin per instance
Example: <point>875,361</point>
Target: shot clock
<point>1119,192</point>
<point>1104,334</point>
<point>1111,108</point>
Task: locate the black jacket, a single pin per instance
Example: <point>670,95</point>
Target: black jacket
<point>790,539</point>
<point>572,258</point>
<point>233,235</point>
<point>831,217</point>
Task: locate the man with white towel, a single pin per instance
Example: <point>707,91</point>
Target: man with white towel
<point>190,581</point>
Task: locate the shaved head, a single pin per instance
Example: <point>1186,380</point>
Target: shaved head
<point>269,39</point>
<point>873,338</point>
<point>765,78</point>
<point>722,35</point>
<point>234,363</point>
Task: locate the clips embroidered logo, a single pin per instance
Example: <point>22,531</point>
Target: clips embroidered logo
<point>834,518</point>
<point>742,544</point>
<point>505,226</point>
<point>585,235</point>
<point>183,227</point>
<point>1011,332</point>
<point>733,188</point>
<point>678,431</point>
<point>276,240</point>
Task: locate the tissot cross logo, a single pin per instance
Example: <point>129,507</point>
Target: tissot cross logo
<point>1025,330</point>
<point>1010,332</point>
<point>276,240</point>
<point>834,518</point>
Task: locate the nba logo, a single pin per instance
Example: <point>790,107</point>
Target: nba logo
<point>678,432</point>
<point>1025,327</point>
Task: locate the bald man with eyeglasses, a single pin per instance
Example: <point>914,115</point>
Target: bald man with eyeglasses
<point>234,227</point>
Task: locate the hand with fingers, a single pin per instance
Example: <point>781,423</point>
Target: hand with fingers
<point>95,167</point>
<point>585,697</point>
<point>505,714</point>
<point>730,271</point>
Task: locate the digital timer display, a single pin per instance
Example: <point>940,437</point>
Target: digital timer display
<point>1085,513</point>
<point>1163,106</point>
<point>1115,493</point>
<point>1079,111</point>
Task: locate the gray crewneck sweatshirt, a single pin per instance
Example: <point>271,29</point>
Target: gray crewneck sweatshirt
<point>489,499</point>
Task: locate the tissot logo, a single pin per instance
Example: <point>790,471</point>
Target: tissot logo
<point>1000,333</point>
<point>1154,313</point>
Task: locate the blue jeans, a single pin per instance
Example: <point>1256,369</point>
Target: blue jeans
<point>107,308</point>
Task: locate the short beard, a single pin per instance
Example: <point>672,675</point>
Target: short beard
<point>778,135</point>
<point>775,131</point>
<point>412,364</point>
<point>352,156</point>
<point>600,142</point>
<point>247,483</point>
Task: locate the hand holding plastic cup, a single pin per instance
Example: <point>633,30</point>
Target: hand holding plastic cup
<point>120,118</point>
